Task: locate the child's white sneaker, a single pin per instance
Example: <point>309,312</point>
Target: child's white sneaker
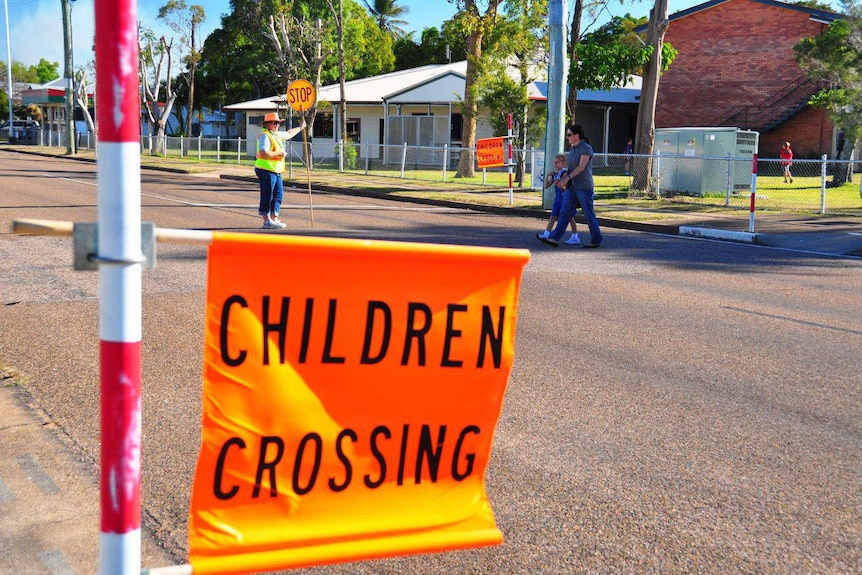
<point>573,239</point>
<point>545,234</point>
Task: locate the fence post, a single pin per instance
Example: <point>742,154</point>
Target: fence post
<point>199,148</point>
<point>823,184</point>
<point>289,158</point>
<point>367,156</point>
<point>218,149</point>
<point>403,158</point>
<point>658,174</point>
<point>753,193</point>
<point>238,150</point>
<point>445,159</point>
<point>729,188</point>
<point>509,163</point>
<point>340,145</point>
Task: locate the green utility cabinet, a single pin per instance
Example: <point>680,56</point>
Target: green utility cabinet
<point>695,160</point>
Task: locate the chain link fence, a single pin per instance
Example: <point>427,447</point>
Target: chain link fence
<point>811,186</point>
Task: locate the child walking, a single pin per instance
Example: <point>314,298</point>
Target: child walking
<point>551,180</point>
<point>786,155</point>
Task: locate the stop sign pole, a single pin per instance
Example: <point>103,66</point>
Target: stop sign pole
<point>301,96</point>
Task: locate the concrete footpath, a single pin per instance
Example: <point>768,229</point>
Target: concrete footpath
<point>49,500</point>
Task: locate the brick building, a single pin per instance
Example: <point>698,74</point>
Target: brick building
<point>735,67</point>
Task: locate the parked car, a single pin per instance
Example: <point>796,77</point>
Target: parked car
<point>22,130</point>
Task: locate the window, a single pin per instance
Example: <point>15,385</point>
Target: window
<point>353,132</point>
<point>456,128</point>
<point>323,126</point>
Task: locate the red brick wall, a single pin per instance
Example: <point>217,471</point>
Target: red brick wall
<point>736,53</point>
<point>809,134</point>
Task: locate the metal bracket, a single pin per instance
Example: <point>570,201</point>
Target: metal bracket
<point>85,239</point>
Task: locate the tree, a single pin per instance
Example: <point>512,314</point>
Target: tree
<point>578,35</point>
<point>254,69</point>
<point>41,73</point>
<point>610,56</point>
<point>835,58</point>
<point>645,132</point>
<point>186,20</point>
<point>517,44</point>
<point>81,96</point>
<point>46,71</point>
<point>246,71</point>
<point>299,44</point>
<point>338,16</point>
<point>435,47</point>
<point>476,25</point>
<point>388,16</point>
<point>152,54</point>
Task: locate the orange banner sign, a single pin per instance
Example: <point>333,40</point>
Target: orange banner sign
<point>490,153</point>
<point>351,393</point>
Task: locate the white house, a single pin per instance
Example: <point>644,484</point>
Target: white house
<point>420,106</point>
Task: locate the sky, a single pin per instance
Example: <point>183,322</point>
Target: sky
<point>36,26</point>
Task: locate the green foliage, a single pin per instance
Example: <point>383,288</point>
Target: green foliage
<point>814,4</point>
<point>41,73</point>
<point>835,58</point>
<point>4,105</point>
<point>431,49</point>
<point>250,68</point>
<point>387,14</point>
<point>608,57</point>
<point>47,71</point>
<point>350,154</point>
<point>368,48</point>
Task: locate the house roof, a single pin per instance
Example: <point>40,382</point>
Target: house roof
<point>374,90</point>
<point>815,14</point>
<point>432,84</point>
<point>628,94</point>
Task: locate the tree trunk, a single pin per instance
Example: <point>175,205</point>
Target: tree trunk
<point>468,135</point>
<point>645,133</point>
<point>574,40</point>
<point>191,101</point>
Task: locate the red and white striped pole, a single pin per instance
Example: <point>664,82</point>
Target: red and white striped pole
<point>119,241</point>
<point>511,141</point>
<point>753,194</point>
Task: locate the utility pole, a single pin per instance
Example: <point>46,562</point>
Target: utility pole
<point>557,68</point>
<point>8,65</point>
<point>68,74</point>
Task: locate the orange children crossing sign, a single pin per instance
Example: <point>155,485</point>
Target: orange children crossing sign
<point>300,95</point>
<point>490,153</point>
<point>350,399</point>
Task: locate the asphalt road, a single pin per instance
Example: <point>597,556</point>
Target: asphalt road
<point>676,405</point>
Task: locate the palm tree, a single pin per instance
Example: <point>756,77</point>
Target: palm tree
<point>387,14</point>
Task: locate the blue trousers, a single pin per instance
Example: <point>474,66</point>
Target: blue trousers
<point>585,198</point>
<point>271,192</point>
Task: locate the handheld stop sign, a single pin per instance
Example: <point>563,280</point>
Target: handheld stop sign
<point>300,95</point>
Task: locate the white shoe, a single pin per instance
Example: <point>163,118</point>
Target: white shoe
<point>277,223</point>
<point>573,239</point>
<point>545,234</point>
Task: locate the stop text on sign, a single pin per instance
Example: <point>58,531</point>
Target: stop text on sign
<point>301,95</point>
